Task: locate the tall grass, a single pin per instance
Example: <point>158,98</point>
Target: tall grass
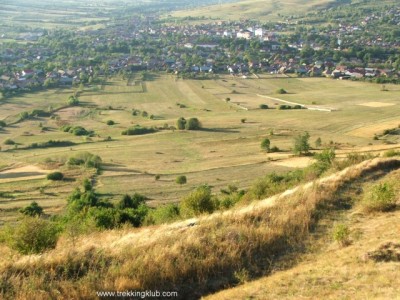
<point>218,251</point>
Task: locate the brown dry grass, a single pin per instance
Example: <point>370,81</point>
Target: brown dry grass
<point>200,258</point>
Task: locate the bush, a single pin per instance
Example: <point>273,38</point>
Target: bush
<point>32,210</point>
<point>380,198</point>
<point>193,124</point>
<point>73,101</point>
<point>138,130</point>
<point>9,142</point>
<point>266,144</point>
<point>263,106</point>
<point>197,202</point>
<point>391,153</point>
<point>51,143</point>
<point>33,235</point>
<point>131,202</point>
<point>281,91</point>
<point>341,234</point>
<point>55,176</point>
<point>163,214</point>
<point>181,123</point>
<point>181,179</point>
<point>87,159</point>
<point>3,124</point>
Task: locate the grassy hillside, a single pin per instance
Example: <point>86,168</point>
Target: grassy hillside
<point>198,256</point>
<point>264,10</point>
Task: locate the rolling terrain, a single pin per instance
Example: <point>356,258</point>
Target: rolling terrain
<point>225,145</point>
<point>288,237</point>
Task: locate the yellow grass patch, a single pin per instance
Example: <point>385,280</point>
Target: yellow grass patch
<point>22,173</point>
<point>296,162</point>
<point>376,104</point>
<point>370,130</point>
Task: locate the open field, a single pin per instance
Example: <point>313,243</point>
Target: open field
<point>226,151</point>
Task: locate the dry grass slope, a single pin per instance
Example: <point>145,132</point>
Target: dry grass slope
<point>203,258</point>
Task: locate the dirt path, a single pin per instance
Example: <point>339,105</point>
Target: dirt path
<point>294,103</point>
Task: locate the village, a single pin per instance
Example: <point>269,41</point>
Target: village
<point>344,51</point>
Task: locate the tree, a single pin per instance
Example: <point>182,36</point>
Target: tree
<point>181,179</point>
<point>180,124</point>
<point>301,144</point>
<point>32,210</point>
<point>193,124</point>
<point>197,202</point>
<point>266,144</point>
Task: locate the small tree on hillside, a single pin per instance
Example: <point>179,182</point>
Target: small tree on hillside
<point>301,144</point>
<point>193,124</point>
<point>266,144</point>
<point>181,179</point>
<point>180,124</point>
<point>32,210</point>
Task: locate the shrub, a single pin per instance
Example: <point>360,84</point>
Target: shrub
<point>193,124</point>
<point>131,202</point>
<point>33,235</point>
<point>138,130</point>
<point>9,142</point>
<point>55,176</point>
<point>266,144</point>
<point>197,202</point>
<point>32,210</point>
<point>73,101</point>
<point>341,234</point>
<point>263,106</point>
<point>87,159</point>
<point>181,123</point>
<point>163,214</point>
<point>380,198</point>
<point>281,91</point>
<point>3,124</point>
<point>391,153</point>
<point>243,120</point>
<point>181,179</point>
<point>110,122</point>
<point>51,143</point>
<point>144,114</point>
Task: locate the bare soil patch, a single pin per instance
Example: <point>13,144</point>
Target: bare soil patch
<point>376,104</point>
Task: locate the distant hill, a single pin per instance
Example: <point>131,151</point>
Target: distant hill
<point>264,10</point>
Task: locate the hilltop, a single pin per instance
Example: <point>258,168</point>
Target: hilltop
<point>288,235</point>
